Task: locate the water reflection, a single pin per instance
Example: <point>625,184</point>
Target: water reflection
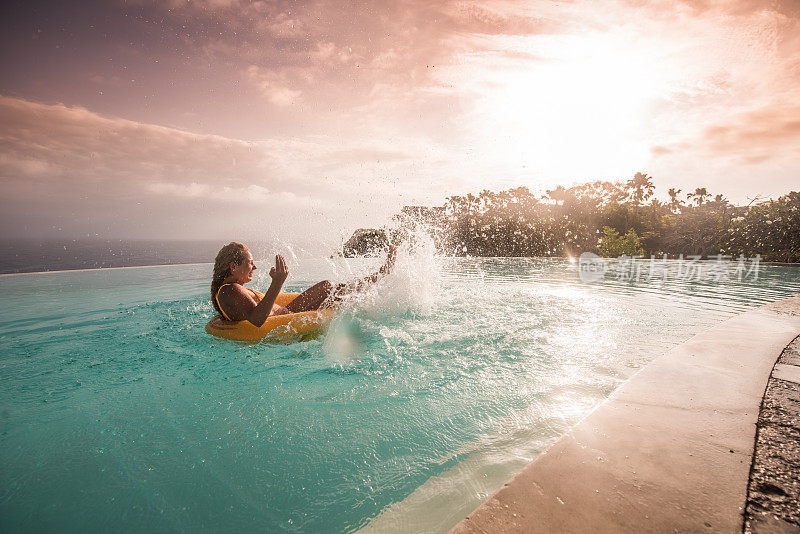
<point>425,395</point>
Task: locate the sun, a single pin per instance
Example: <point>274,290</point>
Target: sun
<point>579,112</point>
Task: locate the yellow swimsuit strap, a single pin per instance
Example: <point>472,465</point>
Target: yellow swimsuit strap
<point>220,305</point>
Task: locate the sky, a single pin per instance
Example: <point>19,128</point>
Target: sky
<point>302,121</point>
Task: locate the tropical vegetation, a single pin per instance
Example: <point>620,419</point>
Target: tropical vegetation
<point>613,218</point>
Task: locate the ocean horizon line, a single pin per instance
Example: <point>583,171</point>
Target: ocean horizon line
<point>56,271</point>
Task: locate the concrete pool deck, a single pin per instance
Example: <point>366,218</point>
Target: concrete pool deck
<point>670,450</point>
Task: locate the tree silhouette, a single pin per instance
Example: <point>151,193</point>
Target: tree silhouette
<point>699,195</point>
<point>515,223</point>
<point>674,202</point>
<point>641,188</point>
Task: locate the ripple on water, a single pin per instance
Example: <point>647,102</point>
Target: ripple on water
<point>424,395</point>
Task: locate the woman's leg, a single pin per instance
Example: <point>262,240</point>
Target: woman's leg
<point>357,285</point>
<point>312,298</point>
<point>316,296</point>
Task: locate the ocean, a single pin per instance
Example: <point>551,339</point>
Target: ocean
<point>35,255</point>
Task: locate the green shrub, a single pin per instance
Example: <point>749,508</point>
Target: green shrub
<point>613,245</point>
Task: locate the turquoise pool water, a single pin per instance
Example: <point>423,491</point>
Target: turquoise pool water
<point>116,409</point>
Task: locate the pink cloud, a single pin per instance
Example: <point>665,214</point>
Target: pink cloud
<point>757,136</point>
<point>133,178</point>
<point>277,87</point>
<point>79,146</point>
<point>330,100</point>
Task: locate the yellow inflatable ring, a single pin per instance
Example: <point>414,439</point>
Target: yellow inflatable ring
<point>281,328</point>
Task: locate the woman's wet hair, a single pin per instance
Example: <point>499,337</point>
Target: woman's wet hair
<point>231,253</point>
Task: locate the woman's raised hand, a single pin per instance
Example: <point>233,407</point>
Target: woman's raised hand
<point>280,272</point>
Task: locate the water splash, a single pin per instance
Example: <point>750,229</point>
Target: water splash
<point>410,289</point>
<point>471,366</point>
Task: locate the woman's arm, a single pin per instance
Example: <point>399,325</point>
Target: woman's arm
<point>261,311</point>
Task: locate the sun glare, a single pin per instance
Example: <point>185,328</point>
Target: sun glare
<point>576,113</point>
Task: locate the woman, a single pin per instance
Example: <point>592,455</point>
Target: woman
<point>234,267</point>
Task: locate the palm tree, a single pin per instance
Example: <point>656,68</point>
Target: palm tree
<point>699,195</point>
<point>455,206</point>
<point>487,200</point>
<point>470,202</point>
<point>641,187</point>
<point>523,196</point>
<point>674,202</point>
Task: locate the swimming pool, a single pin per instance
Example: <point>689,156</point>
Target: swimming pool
<point>117,409</point>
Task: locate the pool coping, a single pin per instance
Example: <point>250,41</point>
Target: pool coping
<point>669,450</point>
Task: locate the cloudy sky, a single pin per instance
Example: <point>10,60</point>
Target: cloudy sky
<point>240,119</point>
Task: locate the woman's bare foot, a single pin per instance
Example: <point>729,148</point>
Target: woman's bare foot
<point>357,285</point>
